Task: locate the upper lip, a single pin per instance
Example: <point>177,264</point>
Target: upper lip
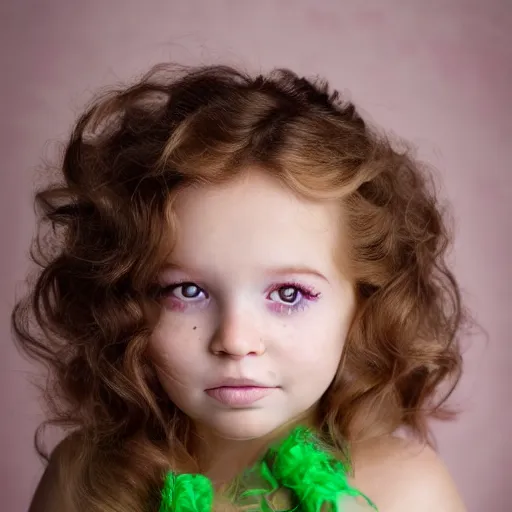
<point>240,382</point>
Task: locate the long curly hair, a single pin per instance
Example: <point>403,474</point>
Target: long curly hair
<point>104,234</point>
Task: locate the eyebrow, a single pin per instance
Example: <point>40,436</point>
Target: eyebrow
<point>272,271</point>
<point>295,271</point>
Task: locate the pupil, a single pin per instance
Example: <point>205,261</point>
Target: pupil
<point>190,291</point>
<point>288,294</point>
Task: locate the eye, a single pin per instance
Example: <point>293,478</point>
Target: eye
<point>288,298</point>
<point>187,292</point>
<point>286,294</point>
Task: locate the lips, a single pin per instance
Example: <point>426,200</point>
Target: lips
<point>238,383</point>
<point>239,392</point>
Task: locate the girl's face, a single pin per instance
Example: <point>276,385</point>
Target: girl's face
<point>254,308</point>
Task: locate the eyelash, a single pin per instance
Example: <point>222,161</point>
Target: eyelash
<point>307,296</point>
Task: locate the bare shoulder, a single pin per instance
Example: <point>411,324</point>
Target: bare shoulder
<point>402,476</point>
<point>50,495</point>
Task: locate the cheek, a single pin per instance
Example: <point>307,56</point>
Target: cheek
<point>317,342</point>
<point>312,366</point>
<point>174,352</point>
<point>327,330</point>
<point>313,352</point>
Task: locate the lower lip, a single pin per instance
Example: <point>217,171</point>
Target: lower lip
<point>238,396</point>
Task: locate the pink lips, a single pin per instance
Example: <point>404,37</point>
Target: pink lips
<point>239,392</point>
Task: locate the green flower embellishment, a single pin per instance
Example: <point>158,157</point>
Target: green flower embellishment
<point>296,475</point>
<point>186,493</point>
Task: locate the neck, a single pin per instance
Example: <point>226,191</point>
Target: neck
<point>221,459</point>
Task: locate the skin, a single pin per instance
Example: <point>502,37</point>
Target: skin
<point>244,246</point>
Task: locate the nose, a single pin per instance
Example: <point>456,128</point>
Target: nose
<point>237,337</point>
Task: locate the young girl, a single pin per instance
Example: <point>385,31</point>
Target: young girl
<point>243,297</point>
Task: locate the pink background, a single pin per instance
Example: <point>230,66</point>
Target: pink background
<point>436,72</point>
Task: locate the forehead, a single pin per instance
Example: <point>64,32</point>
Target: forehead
<point>252,221</point>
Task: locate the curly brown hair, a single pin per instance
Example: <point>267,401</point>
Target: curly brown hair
<point>104,236</point>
